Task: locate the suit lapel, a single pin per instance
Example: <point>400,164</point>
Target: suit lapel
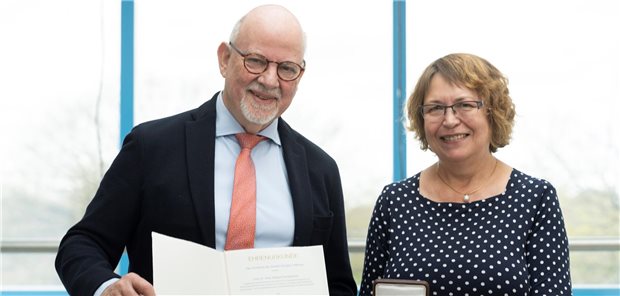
<point>299,182</point>
<point>200,151</point>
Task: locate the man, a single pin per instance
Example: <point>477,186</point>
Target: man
<point>175,175</point>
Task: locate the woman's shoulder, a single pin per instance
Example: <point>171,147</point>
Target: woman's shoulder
<point>520,180</point>
<point>398,192</point>
<point>402,188</point>
<point>407,183</point>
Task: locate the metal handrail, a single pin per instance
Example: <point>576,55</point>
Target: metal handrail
<point>51,246</point>
<point>29,246</point>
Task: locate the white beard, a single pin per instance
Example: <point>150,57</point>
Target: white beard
<point>258,113</point>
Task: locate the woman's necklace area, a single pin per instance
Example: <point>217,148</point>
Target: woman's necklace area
<point>467,195</point>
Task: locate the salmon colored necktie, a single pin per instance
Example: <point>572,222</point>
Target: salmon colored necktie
<point>242,221</point>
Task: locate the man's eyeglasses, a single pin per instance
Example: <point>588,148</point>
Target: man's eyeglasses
<point>257,64</point>
<point>437,111</point>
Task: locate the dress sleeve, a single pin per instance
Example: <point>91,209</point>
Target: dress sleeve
<point>376,254</point>
<point>547,248</point>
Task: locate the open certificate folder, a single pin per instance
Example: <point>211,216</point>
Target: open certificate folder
<point>182,267</point>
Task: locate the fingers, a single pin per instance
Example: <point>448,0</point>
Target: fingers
<point>142,286</point>
<point>130,284</point>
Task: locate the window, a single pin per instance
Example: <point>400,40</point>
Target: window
<point>59,123</point>
<point>60,97</point>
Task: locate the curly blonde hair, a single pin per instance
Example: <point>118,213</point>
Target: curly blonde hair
<point>474,73</point>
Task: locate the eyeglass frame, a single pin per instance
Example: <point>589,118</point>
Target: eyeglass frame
<point>244,55</point>
<point>479,104</point>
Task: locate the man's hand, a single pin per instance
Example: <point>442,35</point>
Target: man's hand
<point>130,284</point>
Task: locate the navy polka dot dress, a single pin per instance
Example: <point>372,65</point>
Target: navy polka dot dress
<point>511,244</point>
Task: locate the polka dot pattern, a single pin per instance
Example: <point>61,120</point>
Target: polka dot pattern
<point>511,244</point>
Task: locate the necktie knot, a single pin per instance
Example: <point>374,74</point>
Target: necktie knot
<point>248,141</point>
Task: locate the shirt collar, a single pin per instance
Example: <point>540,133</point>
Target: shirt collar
<point>226,124</point>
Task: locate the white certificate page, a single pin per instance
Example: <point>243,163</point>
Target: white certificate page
<point>290,271</point>
<point>182,267</point>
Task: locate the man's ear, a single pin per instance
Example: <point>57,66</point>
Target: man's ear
<point>223,55</point>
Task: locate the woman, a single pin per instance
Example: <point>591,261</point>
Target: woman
<point>469,224</point>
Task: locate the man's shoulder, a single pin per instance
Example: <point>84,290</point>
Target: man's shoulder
<point>174,122</point>
<point>175,119</point>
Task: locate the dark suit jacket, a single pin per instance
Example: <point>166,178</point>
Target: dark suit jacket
<point>162,181</point>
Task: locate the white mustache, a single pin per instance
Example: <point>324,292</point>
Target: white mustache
<point>257,87</point>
